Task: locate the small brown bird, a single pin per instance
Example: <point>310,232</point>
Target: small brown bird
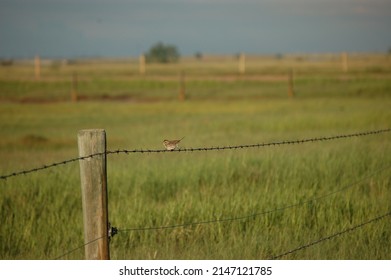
<point>171,144</point>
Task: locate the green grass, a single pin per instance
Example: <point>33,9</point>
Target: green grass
<point>41,213</point>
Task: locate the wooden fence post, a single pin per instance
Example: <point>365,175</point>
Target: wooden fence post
<point>242,63</point>
<point>182,87</point>
<point>94,193</point>
<point>344,58</point>
<point>142,64</point>
<point>37,67</point>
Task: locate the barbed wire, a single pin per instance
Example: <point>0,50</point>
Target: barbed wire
<point>277,143</point>
<point>25,172</point>
<point>80,247</point>
<point>238,218</point>
<point>331,236</point>
<point>218,148</point>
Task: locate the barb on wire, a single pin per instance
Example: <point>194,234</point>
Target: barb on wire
<point>261,213</point>
<point>331,236</point>
<point>218,148</point>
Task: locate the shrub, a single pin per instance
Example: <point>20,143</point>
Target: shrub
<point>162,53</point>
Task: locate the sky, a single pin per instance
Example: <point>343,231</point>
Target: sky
<point>118,28</point>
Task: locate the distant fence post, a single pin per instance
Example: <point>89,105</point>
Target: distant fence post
<point>142,64</point>
<point>242,63</point>
<point>182,86</point>
<point>94,193</point>
<point>37,67</point>
<point>344,58</point>
<point>74,87</point>
<point>291,90</point>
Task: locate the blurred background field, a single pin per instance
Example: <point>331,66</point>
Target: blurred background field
<point>41,213</point>
<point>208,77</point>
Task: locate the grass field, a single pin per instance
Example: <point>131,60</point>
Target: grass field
<point>41,212</point>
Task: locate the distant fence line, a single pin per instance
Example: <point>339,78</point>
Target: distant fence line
<point>200,149</point>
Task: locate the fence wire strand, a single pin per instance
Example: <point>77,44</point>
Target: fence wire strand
<point>80,247</point>
<point>272,258</point>
<point>218,148</point>
<point>331,236</point>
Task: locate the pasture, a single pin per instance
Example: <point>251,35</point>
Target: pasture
<point>272,199</point>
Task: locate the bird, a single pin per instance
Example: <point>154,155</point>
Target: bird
<point>171,144</point>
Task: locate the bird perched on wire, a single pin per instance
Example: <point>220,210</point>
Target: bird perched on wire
<point>171,144</point>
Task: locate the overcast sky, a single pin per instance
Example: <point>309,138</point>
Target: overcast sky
<point>117,28</point>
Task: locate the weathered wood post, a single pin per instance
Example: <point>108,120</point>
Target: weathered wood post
<point>182,86</point>
<point>94,193</point>
<point>37,67</point>
<point>74,87</point>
